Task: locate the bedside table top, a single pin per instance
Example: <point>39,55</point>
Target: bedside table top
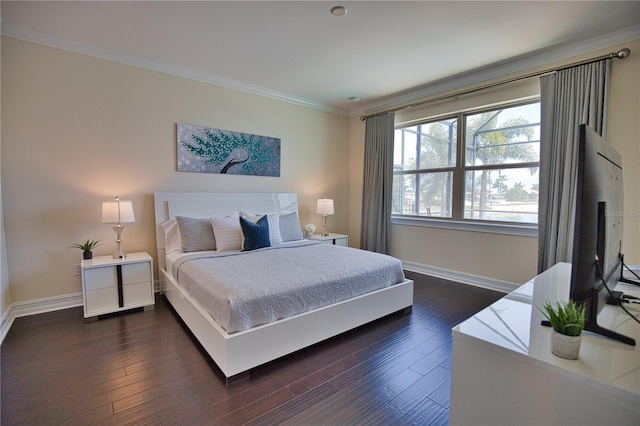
<point>331,236</point>
<point>109,260</point>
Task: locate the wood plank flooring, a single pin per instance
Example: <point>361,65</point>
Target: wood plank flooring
<point>146,368</point>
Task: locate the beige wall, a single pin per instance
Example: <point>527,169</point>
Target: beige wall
<point>5,289</point>
<point>77,131</point>
<point>356,170</point>
<point>5,294</point>
<point>623,132</point>
<point>504,257</point>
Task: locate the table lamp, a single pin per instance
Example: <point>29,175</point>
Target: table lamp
<point>325,208</point>
<point>118,212</point>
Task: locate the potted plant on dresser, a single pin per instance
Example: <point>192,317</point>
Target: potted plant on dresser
<point>87,248</point>
<point>567,322</point>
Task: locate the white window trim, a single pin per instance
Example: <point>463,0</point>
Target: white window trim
<point>468,225</point>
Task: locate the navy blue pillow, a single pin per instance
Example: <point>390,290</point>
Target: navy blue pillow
<point>256,235</point>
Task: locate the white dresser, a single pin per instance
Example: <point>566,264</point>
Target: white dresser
<point>111,285</point>
<point>503,371</point>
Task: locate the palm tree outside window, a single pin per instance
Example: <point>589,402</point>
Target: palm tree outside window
<point>488,171</point>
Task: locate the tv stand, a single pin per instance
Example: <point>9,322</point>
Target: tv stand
<point>624,279</point>
<point>591,322</point>
<point>629,281</point>
<point>595,328</point>
<point>503,371</point>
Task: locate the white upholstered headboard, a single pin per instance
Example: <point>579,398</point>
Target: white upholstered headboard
<point>203,204</point>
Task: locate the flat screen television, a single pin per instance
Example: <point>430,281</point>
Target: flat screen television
<point>597,245</point>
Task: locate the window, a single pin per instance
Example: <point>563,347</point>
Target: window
<point>424,162</point>
<point>474,166</point>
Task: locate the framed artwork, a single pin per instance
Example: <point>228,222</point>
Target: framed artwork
<point>207,150</point>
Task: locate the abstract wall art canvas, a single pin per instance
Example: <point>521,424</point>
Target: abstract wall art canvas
<point>207,150</point>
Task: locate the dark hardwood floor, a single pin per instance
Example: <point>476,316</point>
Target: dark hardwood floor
<point>145,368</point>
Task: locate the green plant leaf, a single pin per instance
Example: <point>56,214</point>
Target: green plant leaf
<point>565,317</point>
<point>88,245</point>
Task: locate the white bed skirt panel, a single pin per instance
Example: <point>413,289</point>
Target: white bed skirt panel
<point>238,352</point>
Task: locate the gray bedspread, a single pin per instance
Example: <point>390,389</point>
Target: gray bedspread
<point>241,290</point>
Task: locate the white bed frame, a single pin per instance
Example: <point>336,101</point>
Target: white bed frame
<point>239,352</point>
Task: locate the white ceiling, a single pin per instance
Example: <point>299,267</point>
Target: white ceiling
<point>298,51</point>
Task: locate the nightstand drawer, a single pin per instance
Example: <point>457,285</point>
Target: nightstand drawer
<point>137,294</point>
<point>101,299</point>
<point>100,278</point>
<point>335,239</point>
<point>341,242</point>
<point>136,273</point>
<point>97,278</point>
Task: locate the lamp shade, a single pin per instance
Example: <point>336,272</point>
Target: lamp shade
<point>324,206</point>
<point>117,212</point>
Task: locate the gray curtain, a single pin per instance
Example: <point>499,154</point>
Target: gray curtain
<point>378,183</point>
<point>569,98</point>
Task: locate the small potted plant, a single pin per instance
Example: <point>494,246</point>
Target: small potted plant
<point>87,248</point>
<point>309,230</point>
<point>567,321</point>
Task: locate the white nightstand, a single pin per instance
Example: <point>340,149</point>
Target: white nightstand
<point>113,285</point>
<point>335,239</point>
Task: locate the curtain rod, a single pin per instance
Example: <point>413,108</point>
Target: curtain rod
<point>620,54</point>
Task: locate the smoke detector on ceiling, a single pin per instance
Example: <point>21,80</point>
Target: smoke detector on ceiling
<point>338,10</point>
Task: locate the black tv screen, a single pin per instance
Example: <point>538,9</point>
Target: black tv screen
<point>598,231</point>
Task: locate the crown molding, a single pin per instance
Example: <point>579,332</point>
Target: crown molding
<point>50,40</point>
<point>520,64</point>
<point>523,63</point>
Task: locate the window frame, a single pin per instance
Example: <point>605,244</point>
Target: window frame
<point>419,171</point>
<point>457,221</point>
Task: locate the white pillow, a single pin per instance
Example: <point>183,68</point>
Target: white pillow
<point>227,231</point>
<point>172,240</point>
<point>274,225</point>
<point>290,227</point>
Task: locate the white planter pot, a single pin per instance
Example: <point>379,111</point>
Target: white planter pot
<point>565,346</point>
<point>308,234</point>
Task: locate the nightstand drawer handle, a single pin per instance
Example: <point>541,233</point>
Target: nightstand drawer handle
<point>120,293</point>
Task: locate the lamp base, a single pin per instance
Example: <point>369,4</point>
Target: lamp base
<point>325,232</point>
<point>119,252</point>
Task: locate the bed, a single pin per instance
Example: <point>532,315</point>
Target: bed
<point>238,345</point>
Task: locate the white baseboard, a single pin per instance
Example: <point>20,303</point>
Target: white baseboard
<point>475,280</point>
<point>5,323</point>
<point>462,277</point>
<point>38,306</point>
